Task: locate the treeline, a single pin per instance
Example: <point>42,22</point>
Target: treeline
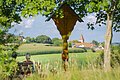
<point>45,40</point>
<point>11,38</point>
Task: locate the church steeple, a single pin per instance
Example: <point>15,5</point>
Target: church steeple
<point>81,39</point>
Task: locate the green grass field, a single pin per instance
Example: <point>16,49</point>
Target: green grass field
<point>34,47</point>
<point>79,68</point>
<point>81,58</point>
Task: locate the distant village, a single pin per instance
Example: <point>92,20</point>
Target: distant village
<point>82,44</point>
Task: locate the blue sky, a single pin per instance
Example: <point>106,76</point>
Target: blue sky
<point>35,26</point>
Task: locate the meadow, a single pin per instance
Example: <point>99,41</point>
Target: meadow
<point>79,68</point>
<point>79,58</point>
<point>53,53</point>
<point>80,65</point>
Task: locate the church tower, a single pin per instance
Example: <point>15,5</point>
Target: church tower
<point>81,39</point>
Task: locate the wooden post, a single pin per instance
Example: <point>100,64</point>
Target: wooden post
<point>65,56</point>
<point>65,25</point>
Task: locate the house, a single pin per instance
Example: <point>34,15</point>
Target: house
<point>100,47</point>
<point>82,44</point>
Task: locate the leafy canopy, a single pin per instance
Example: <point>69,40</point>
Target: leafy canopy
<point>102,8</point>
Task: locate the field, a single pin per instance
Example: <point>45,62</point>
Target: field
<point>81,59</point>
<point>42,49</point>
<point>37,49</point>
<point>52,53</point>
<point>80,66</point>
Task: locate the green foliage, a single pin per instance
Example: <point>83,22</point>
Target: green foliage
<point>6,38</point>
<point>34,7</point>
<point>43,39</point>
<point>8,45</point>
<point>95,42</point>
<point>7,64</point>
<point>70,44</point>
<point>57,42</point>
<point>9,12</point>
<point>28,39</point>
<point>101,9</point>
<point>115,57</point>
<point>103,43</point>
<point>79,6</point>
<point>54,39</point>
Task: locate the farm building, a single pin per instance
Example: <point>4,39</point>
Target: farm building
<point>82,43</point>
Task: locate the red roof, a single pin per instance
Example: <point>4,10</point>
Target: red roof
<point>89,45</point>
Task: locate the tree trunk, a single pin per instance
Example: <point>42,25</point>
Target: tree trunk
<point>107,47</point>
<point>65,53</point>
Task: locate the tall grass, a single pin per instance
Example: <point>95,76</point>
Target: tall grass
<point>74,72</point>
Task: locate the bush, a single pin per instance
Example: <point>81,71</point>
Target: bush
<point>57,42</point>
<point>7,64</point>
<point>115,57</point>
<point>70,44</point>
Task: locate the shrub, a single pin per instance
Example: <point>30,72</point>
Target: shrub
<point>7,64</point>
<point>115,57</point>
<point>70,44</point>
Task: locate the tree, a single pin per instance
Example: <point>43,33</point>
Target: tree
<point>54,39</point>
<point>95,42</point>
<point>43,39</point>
<point>108,13</point>
<point>32,40</point>
<point>28,39</point>
<point>9,12</point>
<point>57,42</point>
<point>70,44</point>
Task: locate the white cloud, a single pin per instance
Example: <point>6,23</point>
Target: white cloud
<point>13,23</point>
<point>27,22</point>
<point>90,18</point>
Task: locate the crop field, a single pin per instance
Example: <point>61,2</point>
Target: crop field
<point>34,47</point>
<point>37,49</point>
